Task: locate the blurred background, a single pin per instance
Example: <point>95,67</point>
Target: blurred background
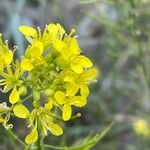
<point>115,34</point>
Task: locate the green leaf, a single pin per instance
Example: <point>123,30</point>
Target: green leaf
<point>86,145</point>
<point>88,1</point>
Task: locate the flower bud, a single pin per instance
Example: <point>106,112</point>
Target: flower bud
<point>36,95</point>
<point>48,92</point>
<point>36,104</point>
<point>23,90</point>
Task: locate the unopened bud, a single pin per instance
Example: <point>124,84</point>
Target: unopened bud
<point>36,95</point>
<point>48,92</point>
<point>22,90</point>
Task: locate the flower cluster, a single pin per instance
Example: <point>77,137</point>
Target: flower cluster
<point>53,75</point>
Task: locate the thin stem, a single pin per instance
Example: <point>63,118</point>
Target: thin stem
<point>16,138</point>
<point>39,143</point>
<point>70,148</point>
<point>55,147</point>
<point>40,138</point>
<point>137,38</point>
<point>25,99</point>
<point>85,145</point>
<point>12,141</point>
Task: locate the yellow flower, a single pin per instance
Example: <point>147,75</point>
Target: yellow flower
<point>73,88</point>
<point>56,73</point>
<point>76,82</point>
<point>67,101</point>
<point>141,127</point>
<point>36,49</point>
<point>11,79</point>
<point>33,56</point>
<point>26,65</point>
<point>66,50</point>
<point>5,53</point>
<point>43,116</point>
<point>46,119</point>
<point>79,63</point>
<point>52,30</point>
<point>71,53</point>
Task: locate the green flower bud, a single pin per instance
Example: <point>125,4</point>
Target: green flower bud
<point>36,95</point>
<point>36,104</point>
<point>22,90</point>
<point>48,92</point>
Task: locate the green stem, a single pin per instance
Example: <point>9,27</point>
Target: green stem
<point>39,143</point>
<point>40,138</point>
<point>25,99</point>
<point>12,141</point>
<point>16,138</point>
<point>80,147</point>
<point>68,148</point>
<point>88,144</point>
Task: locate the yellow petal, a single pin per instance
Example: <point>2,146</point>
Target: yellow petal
<point>14,96</point>
<point>66,53</point>
<point>61,29</point>
<point>85,62</point>
<point>28,31</point>
<point>59,96</point>
<point>141,127</point>
<point>76,68</point>
<point>37,49</point>
<point>59,45</point>
<point>89,75</point>
<point>79,101</point>
<point>32,137</point>
<point>21,111</point>
<point>74,47</point>
<point>67,111</point>
<point>72,89</point>
<point>69,79</point>
<point>52,29</point>
<point>8,57</point>
<point>55,129</point>
<point>49,105</point>
<point>39,61</point>
<point>84,90</point>
<point>26,65</point>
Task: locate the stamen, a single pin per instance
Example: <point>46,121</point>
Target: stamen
<point>39,31</point>
<point>72,32</point>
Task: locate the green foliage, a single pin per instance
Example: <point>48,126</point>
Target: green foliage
<point>88,143</point>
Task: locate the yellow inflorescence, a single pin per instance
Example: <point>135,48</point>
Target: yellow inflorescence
<point>53,71</point>
<point>141,127</point>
